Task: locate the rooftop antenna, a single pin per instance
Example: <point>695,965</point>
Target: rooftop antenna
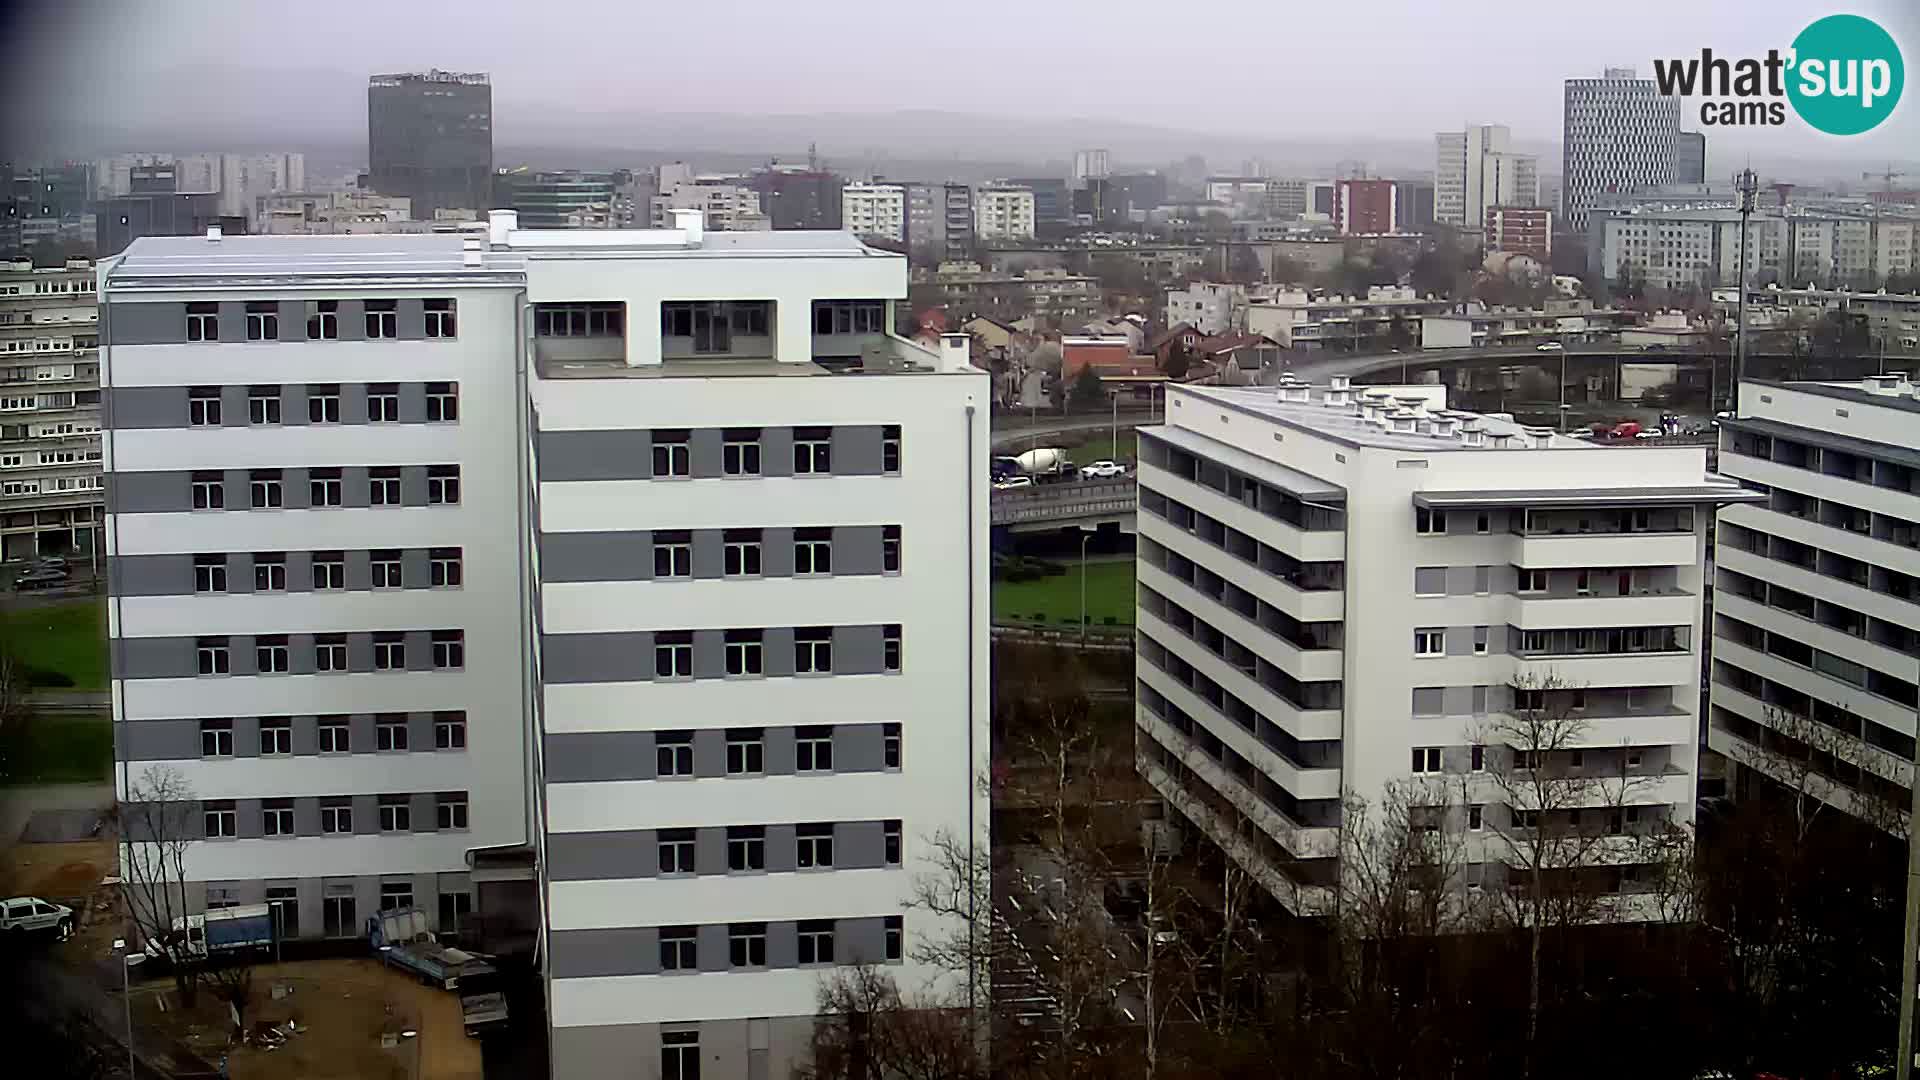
<point>813,157</point>
<point>1746,183</point>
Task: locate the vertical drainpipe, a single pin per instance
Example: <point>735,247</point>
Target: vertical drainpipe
<point>971,481</point>
<point>111,525</point>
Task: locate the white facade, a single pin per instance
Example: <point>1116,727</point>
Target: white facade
<point>1208,306</point>
<point>1475,169</point>
<point>245,178</point>
<point>49,410</point>
<point>1620,134</point>
<point>1003,213</point>
<point>1817,597</point>
<point>1090,165</point>
<point>1674,248</point>
<point>875,210</point>
<point>1333,594</point>
<point>729,207</point>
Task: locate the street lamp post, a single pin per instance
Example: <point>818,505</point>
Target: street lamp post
<point>1116,423</point>
<point>126,1001</point>
<point>1909,961</point>
<point>1086,534</point>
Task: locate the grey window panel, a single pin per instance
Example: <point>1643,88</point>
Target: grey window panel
<point>239,497</point>
<point>155,492</point>
<point>858,748</point>
<point>858,650</point>
<point>156,658</point>
<point>414,568</point>
<point>145,324</point>
<point>359,570</point>
<point>709,654</point>
<point>353,320</point>
<point>246,736</point>
<point>782,849</point>
<point>353,396</point>
<point>181,819</point>
<point>1482,579</point>
<point>602,856</point>
<point>783,945</point>
<point>246,819</point>
<point>709,554</point>
<point>703,452</point>
<point>712,946</point>
<point>233,320</point>
<point>1429,580</point>
<point>413,402</point>
<point>1497,640</point>
<point>300,656</point>
<point>710,850</point>
<point>856,549</point>
<point>856,450</point>
<point>709,751</point>
<point>779,751</point>
<point>419,727</point>
<point>420,652</point>
<point>306,816</point>
<point>151,575</point>
<point>599,556</point>
<point>293,320</point>
<point>860,941</point>
<point>293,400</point>
<point>859,845</point>
<point>306,729</point>
<point>356,491</point>
<point>595,455</point>
<point>157,740</point>
<point>1459,641</point>
<point>125,408</point>
<point>1457,701</point>
<point>240,572</point>
<point>1505,579</point>
<point>360,726</point>
<point>412,319</point>
<point>588,658</point>
<point>1480,695</point>
<point>776,552</point>
<point>1428,700</point>
<point>425,817</point>
<point>366,815</point>
<point>585,954</point>
<point>233,406</point>
<point>413,485</point>
<point>776,451</point>
<point>777,650</point>
<point>359,659</point>
<point>1460,580</point>
<point>587,756</point>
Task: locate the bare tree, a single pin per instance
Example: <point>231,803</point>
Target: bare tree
<point>1817,766</point>
<point>866,1029</point>
<point>156,826</point>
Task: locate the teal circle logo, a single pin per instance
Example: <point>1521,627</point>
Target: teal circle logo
<point>1847,75</point>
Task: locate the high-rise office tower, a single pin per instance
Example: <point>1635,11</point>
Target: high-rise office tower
<point>1621,134</point>
<point>1691,166</point>
<point>430,138</point>
<point>1476,169</point>
<point>648,562</point>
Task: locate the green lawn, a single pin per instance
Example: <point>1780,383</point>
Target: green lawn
<point>1102,447</point>
<point>56,750</point>
<point>69,637</point>
<point>1056,600</point>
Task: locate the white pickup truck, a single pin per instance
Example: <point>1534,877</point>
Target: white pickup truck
<point>23,914</point>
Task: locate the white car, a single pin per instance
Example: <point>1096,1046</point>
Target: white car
<point>1650,433</point>
<point>1100,469</point>
<point>1014,482</point>
<point>1548,346</point>
<point>24,913</point>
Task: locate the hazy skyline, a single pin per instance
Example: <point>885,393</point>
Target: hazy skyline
<point>91,74</point>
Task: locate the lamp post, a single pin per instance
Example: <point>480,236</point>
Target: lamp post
<point>126,1000</point>
<point>1909,961</point>
<point>1116,421</point>
<point>1086,534</point>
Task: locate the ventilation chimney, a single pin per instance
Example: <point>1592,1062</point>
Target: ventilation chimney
<point>1473,434</point>
<point>1401,422</point>
<point>1499,441</point>
<point>499,224</point>
<point>691,222</point>
<point>1340,382</point>
<point>470,253</point>
<point>1337,397</point>
<point>1413,403</point>
<point>1538,437</point>
<point>1442,426</point>
<point>1887,385</point>
<point>956,352</point>
<point>213,234</point>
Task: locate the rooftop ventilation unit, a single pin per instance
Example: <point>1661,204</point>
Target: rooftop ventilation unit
<point>1473,435</point>
<point>1538,437</point>
<point>1498,441</point>
<point>1887,385</point>
<point>213,234</point>
<point>470,254</point>
<point>1442,426</point>
<point>1340,382</point>
<point>1413,403</point>
<point>1402,423</point>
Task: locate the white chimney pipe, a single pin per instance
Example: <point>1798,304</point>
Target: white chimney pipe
<point>500,223</point>
<point>470,253</point>
<point>213,234</point>
<point>691,222</point>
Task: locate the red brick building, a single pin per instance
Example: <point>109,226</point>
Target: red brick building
<point>1366,207</point>
<point>1525,230</point>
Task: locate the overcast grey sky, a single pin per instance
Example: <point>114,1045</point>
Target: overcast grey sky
<point>1262,69</point>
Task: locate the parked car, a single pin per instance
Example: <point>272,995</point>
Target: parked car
<point>50,562</point>
<point>1101,469</point>
<point>1650,433</point>
<point>1548,346</point>
<point>26,914</point>
<point>41,578</point>
<point>1014,482</point>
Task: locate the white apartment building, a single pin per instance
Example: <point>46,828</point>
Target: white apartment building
<point>1816,600</point>
<point>1620,134</point>
<point>644,565</point>
<point>1003,213</point>
<point>1679,247</point>
<point>729,207</point>
<point>1210,307</point>
<point>874,210</point>
<point>49,410</point>
<point>1340,589</point>
<point>1308,319</point>
<point>1475,170</point>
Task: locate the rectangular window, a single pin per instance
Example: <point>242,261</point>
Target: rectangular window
<point>383,403</point>
<point>336,817</point>
<point>1583,583</point>
<point>1533,581</point>
<point>890,449</point>
<point>740,453</point>
<point>746,848</point>
<point>325,487</point>
<point>741,557</point>
<point>276,735</point>
<point>673,754</point>
<point>443,402</point>
<point>216,738</point>
<point>890,549</point>
<point>330,652</point>
<point>203,322</point>
<point>209,573</point>
<point>671,453</point>
<point>211,656</point>
<point>1429,642</point>
<point>383,318</point>
<point>443,568</point>
<point>449,731</point>
<point>263,489</point>
<point>744,653</point>
<point>672,554</point>
<point>895,937</point>
<point>269,571</point>
<point>396,895</point>
<point>816,846</point>
<point>450,810</point>
<point>1426,759</point>
<point>389,651</point>
<point>891,842</point>
<point>813,650</point>
<point>323,403</point>
<point>1480,640</point>
<point>443,485</point>
<point>323,320</point>
<point>1474,818</point>
<point>747,945</point>
<point>270,654</point>
<point>383,486</point>
<point>449,650</point>
<point>440,322</point>
<point>816,941</point>
<point>203,406</point>
<point>673,654</point>
<point>676,851</point>
<point>396,813</point>
<point>329,570</point>
<point>812,451</point>
<point>220,818</point>
<point>384,567</point>
<point>746,751</point>
<point>1482,523</point>
<point>263,405</point>
<point>890,745</point>
<point>276,817</point>
<point>336,735</point>
<point>209,492</point>
<point>1429,522</point>
<point>679,1055</point>
<point>813,749</point>
<point>812,551</point>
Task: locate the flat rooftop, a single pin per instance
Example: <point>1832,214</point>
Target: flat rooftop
<point>1848,391</point>
<point>1317,416</point>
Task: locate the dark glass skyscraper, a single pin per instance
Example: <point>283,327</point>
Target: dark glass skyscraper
<point>430,138</point>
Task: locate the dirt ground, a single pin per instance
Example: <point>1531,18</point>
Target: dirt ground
<point>341,1009</point>
<point>55,870</point>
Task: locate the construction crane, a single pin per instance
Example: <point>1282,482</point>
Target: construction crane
<point>1886,178</point>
